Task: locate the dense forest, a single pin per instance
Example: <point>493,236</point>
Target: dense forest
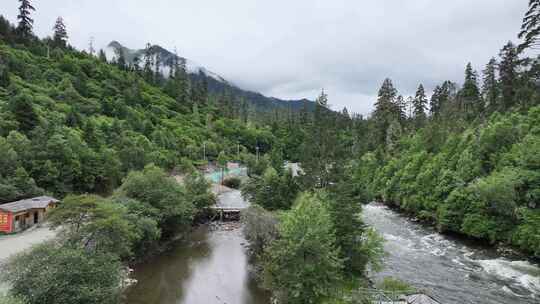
<point>469,164</point>
<point>71,123</point>
<point>105,137</point>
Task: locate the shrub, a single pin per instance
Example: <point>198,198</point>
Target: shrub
<point>232,182</point>
<point>52,274</point>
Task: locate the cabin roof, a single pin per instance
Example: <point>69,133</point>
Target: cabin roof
<point>39,202</point>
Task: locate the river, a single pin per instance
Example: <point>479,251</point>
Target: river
<point>453,270</point>
<point>209,267</point>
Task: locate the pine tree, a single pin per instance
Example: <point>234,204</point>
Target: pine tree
<point>4,74</point>
<point>471,103</point>
<point>508,75</point>
<point>420,107</point>
<point>384,113</point>
<point>120,58</point>
<point>321,154</point>
<point>490,86</point>
<point>137,64</point>
<point>409,104</point>
<point>401,109</point>
<point>60,33</point>
<point>26,23</point>
<point>102,57</point>
<point>157,68</point>
<point>393,135</point>
<point>148,63</point>
<point>181,79</point>
<point>435,102</point>
<point>530,29</point>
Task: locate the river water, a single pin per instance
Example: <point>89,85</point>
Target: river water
<point>209,267</point>
<point>452,270</point>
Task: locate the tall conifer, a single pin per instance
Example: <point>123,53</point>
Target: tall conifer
<point>60,35</point>
<point>508,74</point>
<point>490,86</point>
<point>26,23</point>
<point>420,107</point>
<point>530,29</point>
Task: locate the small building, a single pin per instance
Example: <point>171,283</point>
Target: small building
<point>23,214</point>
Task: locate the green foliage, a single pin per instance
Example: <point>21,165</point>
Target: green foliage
<point>303,265</point>
<point>395,286</point>
<point>50,274</point>
<point>88,123</point>
<point>260,229</point>
<point>256,167</point>
<point>95,224</point>
<point>356,247</point>
<point>482,182</point>
<point>232,182</point>
<point>154,188</point>
<point>198,191</point>
<point>272,191</point>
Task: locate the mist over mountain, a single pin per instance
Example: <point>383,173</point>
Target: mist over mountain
<point>216,83</point>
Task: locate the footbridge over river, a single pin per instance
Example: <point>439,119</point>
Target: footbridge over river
<point>229,205</point>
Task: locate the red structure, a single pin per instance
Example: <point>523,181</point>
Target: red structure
<point>6,221</point>
<point>23,214</point>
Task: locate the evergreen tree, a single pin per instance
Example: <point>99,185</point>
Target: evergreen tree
<point>322,151</point>
<point>435,102</point>
<point>384,112</point>
<point>401,108</point>
<point>120,58</point>
<point>148,63</point>
<point>4,74</point>
<point>471,103</point>
<point>137,64</point>
<point>393,135</point>
<point>530,29</point>
<point>409,105</point>
<point>490,86</point>
<point>181,80</point>
<point>157,68</point>
<point>60,35</point>
<point>508,75</point>
<point>307,237</point>
<point>102,57</point>
<point>23,110</point>
<point>26,23</point>
<point>420,107</point>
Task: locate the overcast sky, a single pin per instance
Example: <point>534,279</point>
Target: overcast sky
<point>293,48</point>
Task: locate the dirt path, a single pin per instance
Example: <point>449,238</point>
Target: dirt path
<point>12,244</point>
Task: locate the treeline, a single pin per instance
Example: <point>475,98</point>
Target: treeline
<point>467,160</point>
<point>72,123</point>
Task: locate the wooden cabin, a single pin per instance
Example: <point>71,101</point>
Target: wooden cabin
<point>23,214</point>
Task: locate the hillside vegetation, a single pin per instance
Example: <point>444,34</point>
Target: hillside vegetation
<point>483,182</point>
<point>72,123</point>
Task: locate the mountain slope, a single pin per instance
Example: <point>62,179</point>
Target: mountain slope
<point>216,83</point>
<point>70,123</point>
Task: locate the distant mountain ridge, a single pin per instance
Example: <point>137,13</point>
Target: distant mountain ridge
<point>216,83</point>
